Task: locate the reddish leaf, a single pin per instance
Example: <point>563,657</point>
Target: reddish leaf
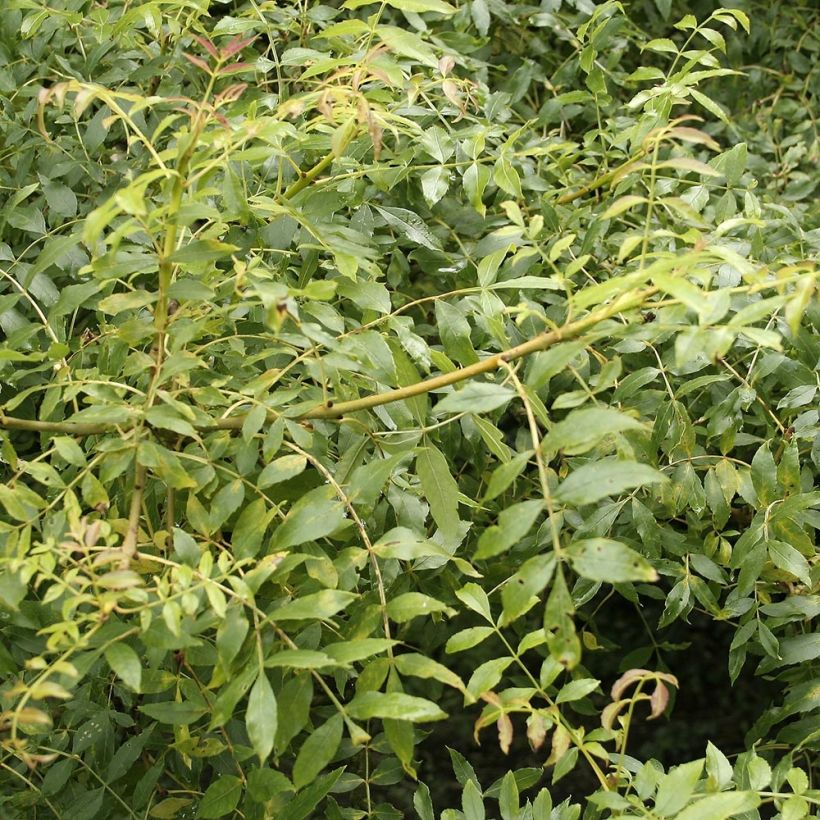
<point>207,45</point>
<point>446,65</point>
<point>629,677</point>
<point>231,93</point>
<point>235,68</point>
<point>197,61</point>
<point>236,45</point>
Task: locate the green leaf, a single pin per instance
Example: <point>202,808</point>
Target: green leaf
<point>473,596</point>
<point>794,650</point>
<point>487,675</point>
<point>520,591</point>
<point>225,503</point>
<point>582,429</point>
<point>576,689</point>
<point>481,16</point>
<point>299,659</point>
<point>418,6</point>
<point>420,666</point>
<point>468,638</point>
<point>318,606</point>
<point>764,476</point>
<point>508,800</point>
<point>602,559</point>
<point>434,184</point>
<point>165,464</point>
<point>472,803</point>
<point>505,474</point>
<point>562,639</point>
<point>253,421</point>
<point>131,301</point>
<point>787,558</point>
<point>61,199</point>
<point>455,333</point>
<point>230,634</point>
<point>302,806</point>
<point>221,797</point>
<point>475,397</point>
<point>315,515</point>
<point>720,806</point>
<point>440,488</point>
<point>676,788</point>
<point>178,714</point>
<point>507,178</point>
<point>201,251</point>
<point>592,482</point>
<point>346,652</point>
<point>410,224</point>
<point>281,469</point>
<point>261,717</point>
<point>437,143</point>
<point>317,751</point>
<point>250,528</point>
<point>549,363</point>
<point>125,662</point>
<point>732,163</point>
<point>410,605</point>
<point>396,705</point>
<point>368,481</point>
<point>186,548</point>
<point>718,768</point>
<point>406,545</point>
<point>170,807</point>
<point>168,418</point>
<point>513,524</point>
<point>265,784</point>
<point>423,804</point>
<point>476,178</point>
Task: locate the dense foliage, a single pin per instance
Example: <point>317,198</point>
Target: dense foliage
<point>366,367</point>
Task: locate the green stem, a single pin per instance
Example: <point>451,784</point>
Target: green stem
<point>599,182</point>
<point>308,176</point>
<point>129,544</point>
<point>332,410</point>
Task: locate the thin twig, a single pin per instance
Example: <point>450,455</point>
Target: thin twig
<point>129,544</point>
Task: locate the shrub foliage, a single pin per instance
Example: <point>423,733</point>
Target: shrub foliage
<point>357,357</point>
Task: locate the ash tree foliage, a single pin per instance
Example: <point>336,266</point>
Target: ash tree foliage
<point>357,357</point>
